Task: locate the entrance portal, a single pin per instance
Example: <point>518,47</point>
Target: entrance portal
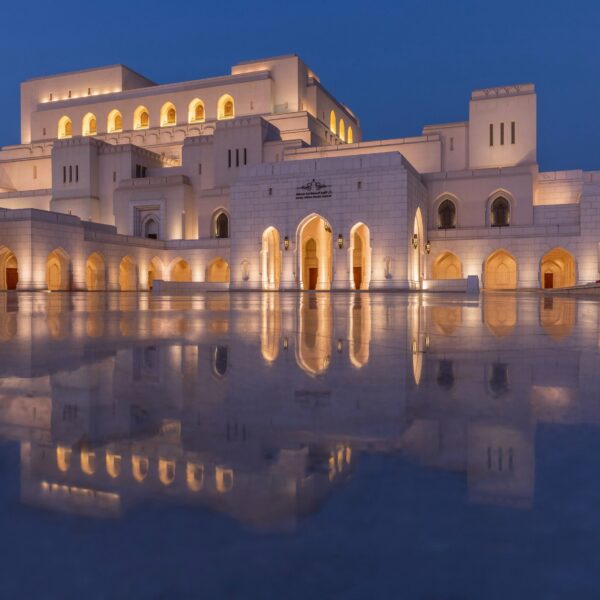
<point>558,269</point>
<point>315,239</point>
<point>500,271</point>
<point>360,256</point>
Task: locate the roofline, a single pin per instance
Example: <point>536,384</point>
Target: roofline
<point>79,71</point>
<point>278,57</point>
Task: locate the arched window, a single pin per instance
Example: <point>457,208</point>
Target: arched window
<point>89,126</point>
<point>500,212</point>
<point>115,121</point>
<point>141,118</point>
<point>332,122</point>
<point>65,128</point>
<point>350,136</point>
<point>151,229</point>
<point>222,226</point>
<point>199,112</point>
<point>168,115</point>
<point>446,215</point>
<point>196,113</point>
<point>226,108</point>
<point>342,131</point>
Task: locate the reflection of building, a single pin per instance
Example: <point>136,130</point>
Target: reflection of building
<point>119,183</point>
<point>259,409</point>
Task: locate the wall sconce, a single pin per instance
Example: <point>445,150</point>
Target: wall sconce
<point>415,241</point>
<point>285,343</point>
<point>286,242</point>
<point>340,241</point>
<point>428,247</point>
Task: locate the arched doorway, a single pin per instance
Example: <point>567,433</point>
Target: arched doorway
<point>271,259</point>
<point>127,275</point>
<point>315,244</point>
<point>9,270</point>
<point>95,273</point>
<point>417,246</point>
<point>57,271</point>
<point>447,266</point>
<point>217,271</point>
<point>313,348</point>
<point>360,253</point>
<point>558,269</point>
<point>500,271</point>
<point>155,271</point>
<point>181,270</point>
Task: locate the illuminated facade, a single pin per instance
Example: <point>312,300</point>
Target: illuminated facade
<point>261,180</point>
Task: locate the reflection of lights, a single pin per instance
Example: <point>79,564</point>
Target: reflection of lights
<point>340,346</point>
<point>285,343</point>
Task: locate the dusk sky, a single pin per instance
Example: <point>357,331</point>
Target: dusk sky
<point>399,65</point>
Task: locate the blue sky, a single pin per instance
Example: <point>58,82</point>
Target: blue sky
<point>398,64</point>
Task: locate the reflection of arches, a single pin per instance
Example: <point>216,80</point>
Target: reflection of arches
<point>497,379</point>
<point>65,128</point>
<point>558,269</point>
<point>315,254</point>
<point>226,107</point>
<point>114,122</point>
<point>89,125</point>
<point>9,269</point>
<point>155,271</point>
<point>63,458</point>
<point>139,467</point>
<point>166,471</point>
<point>181,270</point>
<point>359,334</point>
<point>417,339</point>
<point>446,318</point>
<point>58,277</point>
<point>217,271</point>
<point>194,475</point>
<point>113,464</point>
<point>127,275</point>
<point>220,226</point>
<point>220,360</point>
<point>141,118</point>
<point>271,259</point>
<point>445,374</point>
<point>500,314</point>
<point>313,348</point>
<point>332,122</point>
<point>168,115</point>
<point>196,111</point>
<point>446,266</point>
<point>270,331</point>
<point>95,272</point>
<point>557,316</point>
<point>418,261</point>
<point>223,479</point>
<point>88,461</point>
<point>360,255</point>
<point>500,271</point>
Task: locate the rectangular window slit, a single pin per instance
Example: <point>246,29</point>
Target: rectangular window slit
<point>76,172</point>
<point>229,158</point>
<point>491,134</point>
<point>245,156</point>
<point>502,134</point>
<point>237,157</point>
<point>70,173</point>
<point>64,174</point>
<point>513,136</point>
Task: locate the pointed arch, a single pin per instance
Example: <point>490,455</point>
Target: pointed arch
<point>314,341</point>
<point>155,271</point>
<point>95,273</point>
<point>447,266</point>
<point>218,271</point>
<point>220,224</point>
<point>333,122</point>
<point>417,249</point>
<point>558,269</point>
<point>9,269</point>
<point>168,115</point>
<point>141,118</point>
<point>342,130</point>
<point>65,128</point>
<point>271,258</point>
<point>89,125</point>
<point>196,111</point>
<point>180,270</point>
<point>500,271</point>
<point>114,122</point>
<point>127,274</point>
<point>360,256</point>
<point>226,107</point>
<point>350,136</point>
<point>314,243</point>
<point>58,271</point>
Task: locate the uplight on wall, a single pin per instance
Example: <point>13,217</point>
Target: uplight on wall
<point>340,241</point>
<point>286,242</point>
<point>415,241</point>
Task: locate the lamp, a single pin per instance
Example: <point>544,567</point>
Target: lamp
<point>428,247</point>
<point>415,241</point>
<point>286,242</point>
<point>340,241</point>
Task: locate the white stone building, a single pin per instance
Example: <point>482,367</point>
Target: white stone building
<point>261,180</point>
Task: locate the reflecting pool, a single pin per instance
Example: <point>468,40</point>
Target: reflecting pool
<point>267,445</point>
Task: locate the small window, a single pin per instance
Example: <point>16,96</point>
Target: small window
<point>65,174</point>
<point>44,131</point>
<point>451,144</point>
<point>229,158</point>
<point>502,134</point>
<point>151,229</point>
<point>491,134</point>
<point>50,96</point>
<point>114,176</point>
<point>171,116</point>
<point>69,93</point>
<point>446,215</point>
<point>237,157</point>
<point>228,109</point>
<point>76,172</point>
<point>70,173</point>
<point>34,171</point>
<point>89,91</point>
<point>512,132</point>
<point>144,119</point>
<point>245,156</point>
<point>199,112</point>
<point>199,168</point>
<point>222,226</point>
<point>500,212</point>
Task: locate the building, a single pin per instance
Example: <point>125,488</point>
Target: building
<point>261,180</point>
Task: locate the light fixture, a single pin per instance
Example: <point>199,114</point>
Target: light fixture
<point>428,247</point>
<point>340,346</point>
<point>340,241</point>
<point>415,241</point>
<point>286,242</point>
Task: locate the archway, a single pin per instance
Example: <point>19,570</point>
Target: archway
<point>271,259</point>
<point>181,270</point>
<point>557,316</point>
<point>315,243</point>
<point>57,271</point>
<point>65,128</point>
<point>196,111</point>
<point>114,121</point>
<point>558,269</point>
<point>359,334</point>
<point>127,275</point>
<point>360,254</point>
<point>226,107</point>
<point>95,273</point>
<point>168,115</point>
<point>217,271</point>
<point>500,314</point>
<point>221,224</point>
<point>89,125</point>
<point>313,348</point>
<point>500,271</point>
<point>141,118</point>
<point>155,271</point>
<point>446,266</point>
<point>332,122</point>
<point>417,245</point>
<point>9,270</point>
